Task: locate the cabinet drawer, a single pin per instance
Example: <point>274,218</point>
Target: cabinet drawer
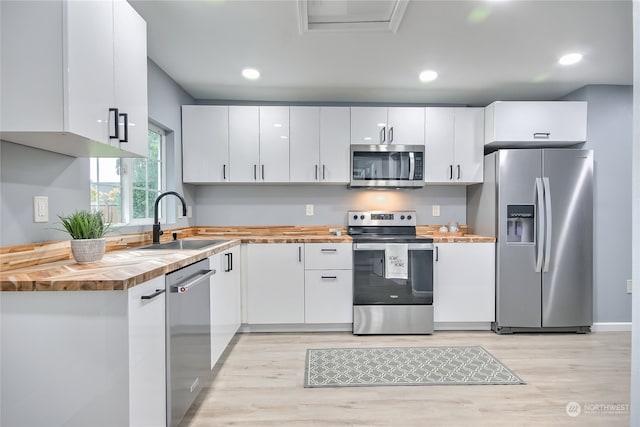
<point>328,296</point>
<point>328,256</point>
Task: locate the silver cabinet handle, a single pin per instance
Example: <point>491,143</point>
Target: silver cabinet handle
<point>450,171</point>
<point>255,172</point>
<point>540,209</point>
<point>547,238</point>
<point>390,134</point>
<point>541,135</point>
<point>153,295</point>
<point>316,172</point>
<point>328,250</point>
<point>299,253</point>
<point>329,277</point>
<point>437,254</point>
<point>224,172</point>
<point>263,172</point>
<point>324,168</point>
<point>383,135</point>
<point>458,171</point>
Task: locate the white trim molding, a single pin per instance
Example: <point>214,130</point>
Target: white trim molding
<point>611,327</point>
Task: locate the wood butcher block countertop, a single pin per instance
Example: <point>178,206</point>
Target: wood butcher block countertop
<point>50,267</point>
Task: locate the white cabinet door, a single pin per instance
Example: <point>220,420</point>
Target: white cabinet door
<point>368,125</point>
<point>334,144</point>
<point>305,144</point>
<point>538,122</point>
<point>464,282</point>
<point>147,373</point>
<point>469,145</point>
<point>130,79</point>
<point>205,143</point>
<point>244,143</point>
<point>328,296</point>
<point>275,283</point>
<point>439,144</point>
<point>274,144</point>
<point>89,65</point>
<point>225,300</point>
<point>405,125</point>
<point>454,145</point>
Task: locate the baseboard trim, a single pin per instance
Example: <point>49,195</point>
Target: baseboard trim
<point>611,327</point>
<point>462,326</point>
<point>298,327</point>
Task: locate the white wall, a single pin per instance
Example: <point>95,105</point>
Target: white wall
<point>635,340</point>
<point>285,204</point>
<point>609,134</point>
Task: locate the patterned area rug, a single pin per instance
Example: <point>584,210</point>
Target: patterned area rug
<point>353,367</point>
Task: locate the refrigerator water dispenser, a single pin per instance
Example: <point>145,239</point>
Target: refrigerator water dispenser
<point>520,224</point>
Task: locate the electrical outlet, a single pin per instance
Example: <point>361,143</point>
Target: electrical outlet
<point>629,286</point>
<point>189,211</point>
<point>435,210</point>
<point>40,209</point>
<point>309,210</point>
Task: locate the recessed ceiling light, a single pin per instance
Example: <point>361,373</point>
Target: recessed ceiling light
<point>570,59</point>
<point>250,73</point>
<point>428,76</point>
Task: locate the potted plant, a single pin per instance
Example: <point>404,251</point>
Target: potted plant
<point>87,230</point>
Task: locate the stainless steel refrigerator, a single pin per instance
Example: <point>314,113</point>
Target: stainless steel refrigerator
<point>538,203</point>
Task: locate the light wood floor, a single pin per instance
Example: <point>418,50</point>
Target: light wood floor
<point>260,383</point>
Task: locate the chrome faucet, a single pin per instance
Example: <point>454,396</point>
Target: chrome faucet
<point>157,232</point>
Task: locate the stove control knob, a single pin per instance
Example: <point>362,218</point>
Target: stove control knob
<point>401,216</point>
<point>362,217</point>
<point>355,217</point>
<point>409,217</point>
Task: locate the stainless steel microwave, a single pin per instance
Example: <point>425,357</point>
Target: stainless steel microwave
<point>396,166</point>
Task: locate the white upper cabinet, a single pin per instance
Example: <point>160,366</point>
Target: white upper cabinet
<point>454,145</point>
<point>334,144</point>
<point>535,123</point>
<point>74,77</point>
<point>319,144</point>
<point>205,143</point>
<point>244,143</point>
<point>274,144</point>
<point>382,125</point>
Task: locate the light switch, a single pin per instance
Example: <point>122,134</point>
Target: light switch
<point>40,209</point>
<point>435,210</point>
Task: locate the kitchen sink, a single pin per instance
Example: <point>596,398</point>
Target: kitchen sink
<point>185,244</point>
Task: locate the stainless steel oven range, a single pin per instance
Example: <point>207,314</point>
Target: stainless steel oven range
<point>392,274</point>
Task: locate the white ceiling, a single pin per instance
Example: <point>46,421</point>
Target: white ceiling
<point>509,52</point>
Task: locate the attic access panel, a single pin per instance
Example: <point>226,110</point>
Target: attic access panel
<point>350,15</point>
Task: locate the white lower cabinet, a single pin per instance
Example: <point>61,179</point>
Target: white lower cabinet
<point>84,358</point>
<point>328,283</point>
<point>275,283</point>
<point>225,300</point>
<point>464,282</point>
<point>147,372</point>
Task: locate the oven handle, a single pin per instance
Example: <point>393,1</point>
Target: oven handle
<point>384,246</point>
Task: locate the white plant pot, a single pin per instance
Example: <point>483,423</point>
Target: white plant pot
<point>88,250</point>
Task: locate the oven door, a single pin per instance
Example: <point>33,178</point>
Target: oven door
<point>371,287</point>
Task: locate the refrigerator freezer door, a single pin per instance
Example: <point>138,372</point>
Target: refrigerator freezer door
<point>567,287</point>
<point>518,294</point>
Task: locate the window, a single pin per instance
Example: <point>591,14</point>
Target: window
<point>125,189</point>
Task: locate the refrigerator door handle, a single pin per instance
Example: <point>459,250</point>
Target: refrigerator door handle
<point>547,239</point>
<point>541,228</point>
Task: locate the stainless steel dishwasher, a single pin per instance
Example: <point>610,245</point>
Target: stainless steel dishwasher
<point>188,337</point>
